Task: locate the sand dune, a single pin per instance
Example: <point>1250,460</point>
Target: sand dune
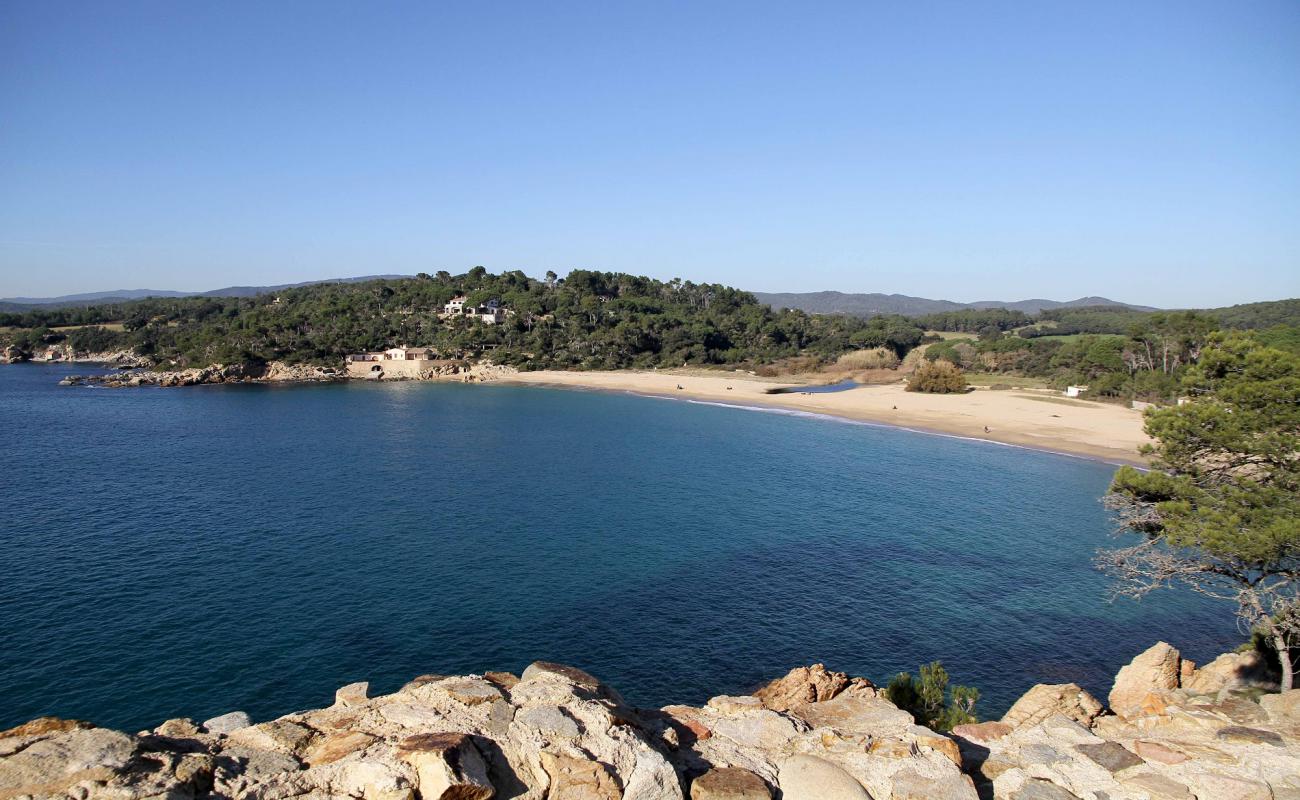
<point>1029,418</point>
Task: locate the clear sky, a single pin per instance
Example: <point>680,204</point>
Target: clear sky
<point>1146,151</point>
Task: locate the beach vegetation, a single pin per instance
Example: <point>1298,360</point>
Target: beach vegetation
<point>937,377</point>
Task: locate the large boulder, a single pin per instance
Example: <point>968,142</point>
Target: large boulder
<point>810,778</point>
<point>447,766</point>
<point>1142,686</point>
<point>1047,699</point>
<point>804,685</point>
<point>1231,671</point>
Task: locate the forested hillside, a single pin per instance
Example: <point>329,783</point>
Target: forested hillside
<point>600,320</point>
<point>1117,353</point>
<point>587,320</point>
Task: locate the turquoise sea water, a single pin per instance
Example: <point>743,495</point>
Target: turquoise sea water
<point>169,552</point>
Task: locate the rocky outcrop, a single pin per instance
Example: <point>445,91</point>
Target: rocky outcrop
<point>553,732</point>
<point>276,372</point>
<point>814,684</point>
<point>1046,700</point>
<point>273,372</point>
<point>1166,739</point>
<point>558,733</point>
<point>1143,685</point>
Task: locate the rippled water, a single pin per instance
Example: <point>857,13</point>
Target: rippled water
<point>168,552</point>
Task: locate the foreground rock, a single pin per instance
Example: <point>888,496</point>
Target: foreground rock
<point>558,733</point>
<point>1176,732</point>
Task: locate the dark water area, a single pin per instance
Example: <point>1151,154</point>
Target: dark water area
<point>825,388</point>
<point>186,552</point>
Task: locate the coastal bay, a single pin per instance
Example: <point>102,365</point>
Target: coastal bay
<point>256,546</point>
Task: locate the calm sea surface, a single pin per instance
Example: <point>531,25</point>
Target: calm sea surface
<point>186,552</point>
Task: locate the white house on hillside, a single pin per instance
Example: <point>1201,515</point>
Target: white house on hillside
<point>490,312</point>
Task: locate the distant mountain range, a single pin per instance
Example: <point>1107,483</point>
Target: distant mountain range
<point>875,304</point>
<point>120,295</point>
<point>861,305</point>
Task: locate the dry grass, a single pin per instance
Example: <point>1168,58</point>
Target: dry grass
<point>872,359</point>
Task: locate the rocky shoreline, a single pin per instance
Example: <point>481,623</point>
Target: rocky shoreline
<point>1172,731</point>
<point>273,372</point>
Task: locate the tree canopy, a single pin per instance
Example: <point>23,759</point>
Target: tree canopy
<point>1220,511</point>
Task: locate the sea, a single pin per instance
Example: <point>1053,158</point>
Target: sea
<point>193,551</point>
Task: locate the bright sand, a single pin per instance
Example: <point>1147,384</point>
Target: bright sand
<point>1038,419</point>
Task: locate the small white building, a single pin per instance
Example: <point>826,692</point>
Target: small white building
<point>409,354</point>
<point>455,307</point>
<point>1075,391</point>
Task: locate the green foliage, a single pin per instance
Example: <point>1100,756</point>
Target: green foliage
<point>1088,319</point>
<point>970,320</point>
<point>1251,316</point>
<point>587,320</point>
<point>1221,511</point>
<point>929,701</point>
<point>961,352</point>
<point>937,377</point>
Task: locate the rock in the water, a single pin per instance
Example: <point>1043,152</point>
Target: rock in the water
<point>1140,684</point>
<point>729,783</point>
<point>448,767</point>
<point>1047,699</point>
<point>804,777</point>
<point>227,723</point>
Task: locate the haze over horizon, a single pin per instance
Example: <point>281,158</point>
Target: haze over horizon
<point>998,152</point>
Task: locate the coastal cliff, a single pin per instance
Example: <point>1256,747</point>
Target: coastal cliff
<point>1173,731</point>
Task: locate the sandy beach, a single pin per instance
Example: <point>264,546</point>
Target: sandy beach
<point>1029,418</point>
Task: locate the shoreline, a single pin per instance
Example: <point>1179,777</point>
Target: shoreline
<point>1015,418</point>
<point>1029,419</point>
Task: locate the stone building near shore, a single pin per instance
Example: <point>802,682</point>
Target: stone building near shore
<point>395,362</point>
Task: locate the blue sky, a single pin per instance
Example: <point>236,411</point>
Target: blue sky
<point>1147,151</point>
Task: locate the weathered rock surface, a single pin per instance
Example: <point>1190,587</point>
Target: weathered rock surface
<point>273,372</point>
<point>559,733</point>
<point>814,684</point>
<point>1144,683</point>
<point>1168,740</point>
<point>1046,700</point>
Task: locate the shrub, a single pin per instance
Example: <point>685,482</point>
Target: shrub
<point>937,377</point>
<point>928,700</point>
